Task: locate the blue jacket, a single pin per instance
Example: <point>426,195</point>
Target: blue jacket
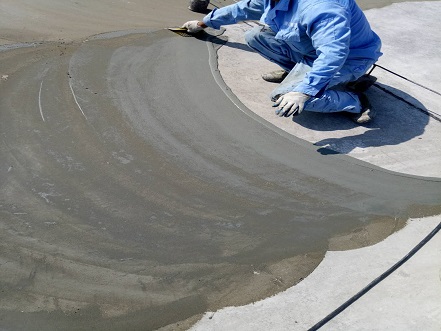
<point>329,33</point>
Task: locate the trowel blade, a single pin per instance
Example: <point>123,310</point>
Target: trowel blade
<point>181,31</point>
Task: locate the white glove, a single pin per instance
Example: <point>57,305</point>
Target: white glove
<point>192,26</point>
<point>291,103</point>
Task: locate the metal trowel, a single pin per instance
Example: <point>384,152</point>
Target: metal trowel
<point>181,31</point>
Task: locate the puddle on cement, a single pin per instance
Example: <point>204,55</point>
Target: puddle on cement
<point>213,209</point>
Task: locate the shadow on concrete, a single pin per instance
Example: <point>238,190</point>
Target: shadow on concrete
<point>396,122</point>
<point>215,37</point>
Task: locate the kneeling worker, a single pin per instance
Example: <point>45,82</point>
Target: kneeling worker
<point>323,47</point>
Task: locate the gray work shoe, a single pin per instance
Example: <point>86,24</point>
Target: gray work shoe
<point>275,76</point>
<point>367,112</point>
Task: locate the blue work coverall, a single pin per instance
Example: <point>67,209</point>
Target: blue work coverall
<point>323,44</point>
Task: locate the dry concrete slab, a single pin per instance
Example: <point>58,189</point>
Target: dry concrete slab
<point>405,134</point>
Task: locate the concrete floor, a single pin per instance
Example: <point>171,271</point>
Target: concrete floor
<point>133,201</point>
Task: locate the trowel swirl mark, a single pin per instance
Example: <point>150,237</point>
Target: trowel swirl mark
<point>39,102</point>
<point>75,98</point>
<point>182,199</point>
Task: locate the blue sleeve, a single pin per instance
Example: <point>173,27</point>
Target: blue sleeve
<point>330,33</point>
<point>240,11</point>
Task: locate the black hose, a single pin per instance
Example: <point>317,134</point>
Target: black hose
<point>409,80</point>
<point>376,281</point>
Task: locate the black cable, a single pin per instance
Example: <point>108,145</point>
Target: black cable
<point>409,80</point>
<point>376,281</point>
<point>431,114</point>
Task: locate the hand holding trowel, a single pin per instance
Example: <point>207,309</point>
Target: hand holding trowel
<point>189,28</point>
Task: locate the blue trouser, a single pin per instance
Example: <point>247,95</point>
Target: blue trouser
<point>334,99</point>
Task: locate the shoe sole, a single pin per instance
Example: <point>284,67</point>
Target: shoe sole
<point>274,79</point>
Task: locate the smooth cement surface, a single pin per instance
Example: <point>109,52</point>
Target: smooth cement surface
<point>136,195</point>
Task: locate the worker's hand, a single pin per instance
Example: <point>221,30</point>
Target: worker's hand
<point>291,103</point>
<point>194,26</point>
